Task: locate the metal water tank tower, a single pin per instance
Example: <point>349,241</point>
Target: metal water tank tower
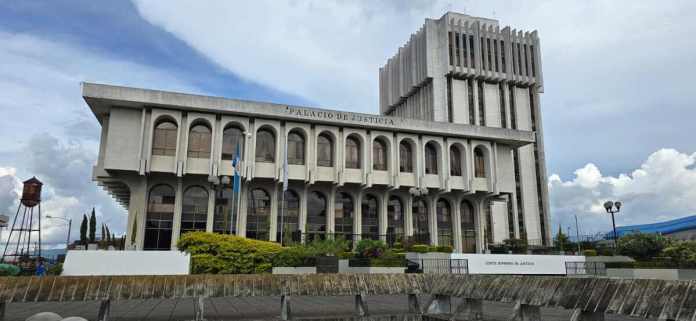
<point>31,193</point>
<point>25,226</point>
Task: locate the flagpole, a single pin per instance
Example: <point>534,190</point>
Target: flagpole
<point>282,210</point>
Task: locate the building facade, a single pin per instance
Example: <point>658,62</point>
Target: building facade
<point>434,177</point>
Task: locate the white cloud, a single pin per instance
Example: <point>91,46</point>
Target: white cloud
<point>664,187</point>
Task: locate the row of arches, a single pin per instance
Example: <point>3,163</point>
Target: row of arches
<point>199,143</point>
<point>161,207</point>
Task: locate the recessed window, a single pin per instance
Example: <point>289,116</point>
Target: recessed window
<point>199,141</point>
<point>352,151</point>
<point>431,158</point>
<point>379,155</point>
<point>164,139</point>
<point>405,157</point>
<point>421,228</point>
<point>194,212</point>
<point>296,148</point>
<point>343,209</point>
<point>160,218</point>
<point>232,143</point>
<point>258,215</point>
<point>455,161</point>
<point>479,163</point>
<point>370,218</point>
<point>444,223</point>
<point>289,221</point>
<point>324,150</point>
<point>265,146</point>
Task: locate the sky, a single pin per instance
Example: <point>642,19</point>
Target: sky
<point>618,106</point>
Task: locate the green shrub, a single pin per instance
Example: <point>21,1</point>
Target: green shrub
<point>330,247</point>
<point>370,248</point>
<point>517,246</point>
<point>682,253</point>
<point>420,248</point>
<point>227,254</point>
<point>642,246</point>
<point>397,245</point>
<point>589,252</point>
<point>346,255</point>
<point>55,269</point>
<point>499,248</point>
<point>443,249</point>
<point>292,256</point>
<point>9,270</point>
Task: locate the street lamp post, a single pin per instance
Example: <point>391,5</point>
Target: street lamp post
<point>612,208</point>
<point>67,241</point>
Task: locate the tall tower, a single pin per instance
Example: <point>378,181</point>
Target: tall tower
<point>467,70</point>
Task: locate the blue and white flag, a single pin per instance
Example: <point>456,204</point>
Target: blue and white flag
<point>285,168</point>
<point>237,179</point>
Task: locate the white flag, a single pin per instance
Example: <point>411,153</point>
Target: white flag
<point>285,167</point>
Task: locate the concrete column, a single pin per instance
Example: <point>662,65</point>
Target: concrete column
<point>408,215</point>
<point>178,205</point>
<point>302,220</point>
<point>285,313</point>
<point>439,304</point>
<point>276,191</point>
<point>360,305</point>
<point>357,220</point>
<point>413,304</point>
<point>526,312</point>
<point>457,225</point>
<point>475,91</point>
<point>242,215</point>
<point>331,210</point>
<point>383,219</point>
<point>478,219</point>
<point>212,193</point>
<point>469,309</point>
<point>432,219</point>
<point>580,315</point>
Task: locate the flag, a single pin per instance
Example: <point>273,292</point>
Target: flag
<point>285,168</point>
<point>237,179</point>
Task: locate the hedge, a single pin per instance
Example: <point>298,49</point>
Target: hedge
<point>227,254</point>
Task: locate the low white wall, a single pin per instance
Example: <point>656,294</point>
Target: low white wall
<point>295,270</point>
<point>126,263</point>
<point>344,267</point>
<point>660,274</point>
<point>506,263</point>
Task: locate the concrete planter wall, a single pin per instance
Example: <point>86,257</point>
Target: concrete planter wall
<point>295,270</point>
<point>344,267</point>
<point>661,274</point>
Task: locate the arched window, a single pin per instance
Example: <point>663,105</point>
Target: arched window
<point>225,217</point>
<point>479,163</point>
<point>288,217</point>
<point>199,141</point>
<point>164,139</point>
<point>265,146</point>
<point>232,143</point>
<point>160,218</point>
<point>466,211</point>
<point>421,228</point>
<point>405,157</point>
<point>431,158</point>
<point>352,151</point>
<point>296,148</point>
<point>316,216</point>
<point>370,218</point>
<point>455,161</point>
<point>395,220</point>
<point>343,209</point>
<point>325,150</point>
<point>258,215</point>
<point>379,155</point>
<point>194,212</point>
<point>444,223</point>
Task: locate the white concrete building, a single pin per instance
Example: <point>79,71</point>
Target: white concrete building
<point>456,158</point>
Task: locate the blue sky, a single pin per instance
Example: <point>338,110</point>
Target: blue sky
<point>618,105</point>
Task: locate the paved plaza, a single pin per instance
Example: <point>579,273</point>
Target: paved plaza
<point>257,308</point>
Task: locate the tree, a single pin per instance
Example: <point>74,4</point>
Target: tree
<point>562,241</point>
<point>108,235</point>
<point>83,230</point>
<point>103,234</point>
<point>642,246</point>
<point>92,227</point>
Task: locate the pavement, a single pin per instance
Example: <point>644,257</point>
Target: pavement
<point>389,308</point>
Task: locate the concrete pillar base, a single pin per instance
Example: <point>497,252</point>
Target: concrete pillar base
<point>469,310</point>
<point>413,304</point>
<point>440,304</point>
<point>360,305</point>
<point>526,312</point>
<point>580,315</point>
<point>285,308</point>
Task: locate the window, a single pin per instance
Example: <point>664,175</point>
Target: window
<point>164,139</point>
<point>343,209</point>
<point>225,217</point>
<point>495,54</point>
<point>502,55</point>
<point>431,158</point>
<point>421,228</point>
<point>379,155</point>
<point>296,148</point>
<point>470,95</point>
<point>405,157</point>
<point>471,52</point>
<point>316,214</point>
<point>288,216</point>
<point>479,163</point>
<point>232,143</point>
<point>160,218</point>
<point>194,212</point>
<point>370,218</point>
<point>503,115</point>
<point>481,103</point>
<point>444,223</point>
<point>352,152</point>
<point>468,227</point>
<point>455,161</point>
<point>265,146</point>
<point>395,220</point>
<point>325,150</point>
<point>258,215</point>
<point>458,46</point>
<point>199,142</point>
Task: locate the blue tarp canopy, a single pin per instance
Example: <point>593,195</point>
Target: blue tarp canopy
<point>667,227</point>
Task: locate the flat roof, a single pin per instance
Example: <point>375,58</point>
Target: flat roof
<point>101,98</point>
